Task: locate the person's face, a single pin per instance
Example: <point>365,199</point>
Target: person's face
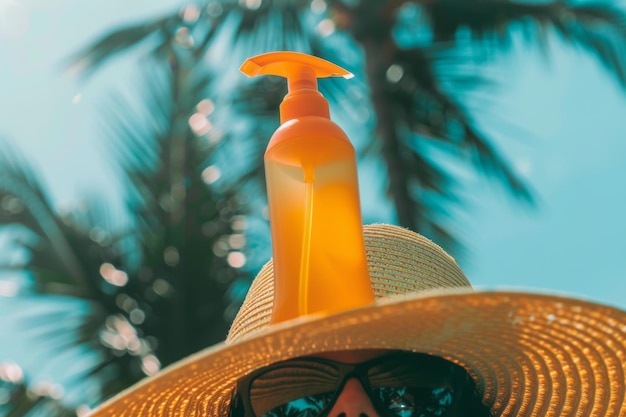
<point>353,401</point>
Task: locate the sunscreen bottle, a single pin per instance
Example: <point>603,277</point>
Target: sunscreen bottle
<point>315,214</point>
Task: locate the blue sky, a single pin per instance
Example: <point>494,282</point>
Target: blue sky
<point>561,121</point>
<point>574,154</point>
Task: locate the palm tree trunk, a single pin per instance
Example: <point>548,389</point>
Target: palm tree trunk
<point>377,61</point>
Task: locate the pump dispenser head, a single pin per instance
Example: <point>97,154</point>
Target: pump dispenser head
<point>302,72</point>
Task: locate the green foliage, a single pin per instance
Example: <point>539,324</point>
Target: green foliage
<point>18,397</point>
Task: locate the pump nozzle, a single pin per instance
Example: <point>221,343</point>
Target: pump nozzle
<point>302,72</point>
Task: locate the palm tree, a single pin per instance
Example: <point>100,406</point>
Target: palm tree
<point>19,397</point>
<point>168,280</point>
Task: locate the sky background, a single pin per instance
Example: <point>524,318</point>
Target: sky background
<point>561,121</point>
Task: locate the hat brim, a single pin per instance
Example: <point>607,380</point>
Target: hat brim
<point>532,354</point>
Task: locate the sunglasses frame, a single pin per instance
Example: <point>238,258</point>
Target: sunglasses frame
<point>241,405</point>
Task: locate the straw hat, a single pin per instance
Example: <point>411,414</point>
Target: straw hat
<point>533,355</point>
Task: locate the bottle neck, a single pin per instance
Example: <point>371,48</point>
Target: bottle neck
<point>303,103</point>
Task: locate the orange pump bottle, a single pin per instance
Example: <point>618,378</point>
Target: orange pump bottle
<point>314,207</point>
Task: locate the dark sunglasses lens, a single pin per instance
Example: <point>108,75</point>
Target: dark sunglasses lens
<point>303,407</point>
<point>304,387</point>
<point>415,402</point>
<point>412,386</point>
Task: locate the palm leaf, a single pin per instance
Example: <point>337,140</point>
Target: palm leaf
<point>162,160</point>
<point>26,398</point>
<point>173,31</point>
<point>419,68</point>
<point>599,28</point>
<point>51,250</point>
<point>55,239</point>
<point>87,60</point>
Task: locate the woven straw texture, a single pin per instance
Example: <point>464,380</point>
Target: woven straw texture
<point>399,262</point>
<point>533,355</point>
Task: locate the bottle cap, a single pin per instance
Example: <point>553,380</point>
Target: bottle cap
<point>302,72</point>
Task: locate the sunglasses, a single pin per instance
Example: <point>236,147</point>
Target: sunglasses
<point>401,384</point>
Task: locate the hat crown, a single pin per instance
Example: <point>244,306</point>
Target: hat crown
<point>399,262</point>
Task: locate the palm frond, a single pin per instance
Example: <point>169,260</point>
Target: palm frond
<point>89,59</point>
<point>25,203</point>
<point>192,29</point>
<point>600,28</point>
<point>27,398</point>
<point>161,152</point>
<point>50,239</point>
<point>438,116</point>
<point>276,25</point>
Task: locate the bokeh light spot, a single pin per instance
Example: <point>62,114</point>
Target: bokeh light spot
<point>325,28</point>
<point>214,8</point>
<point>190,13</point>
<point>236,259</point>
<point>137,316</point>
<point>199,124</point>
<point>394,73</point>
<point>205,107</point>
<point>211,174</point>
<point>251,4</point>
<point>161,287</point>
<point>8,289</point>
<point>11,372</point>
<point>221,248</point>
<point>238,223</point>
<point>112,275</point>
<point>47,389</point>
<point>237,241</point>
<point>82,411</point>
<point>171,256</point>
<point>183,37</point>
<point>150,365</point>
<point>318,6</point>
